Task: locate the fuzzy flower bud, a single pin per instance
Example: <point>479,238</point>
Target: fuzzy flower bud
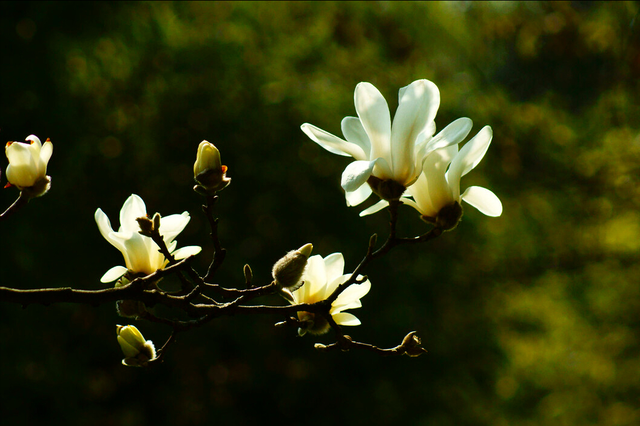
<point>137,351</point>
<point>27,168</point>
<point>208,170</point>
<point>288,270</point>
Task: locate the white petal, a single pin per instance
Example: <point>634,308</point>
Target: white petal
<point>334,266</point>
<point>45,155</point>
<point>374,208</point>
<point>350,298</point>
<point>417,107</point>
<point>345,318</point>
<point>358,196</point>
<point>374,114</point>
<point>354,132</point>
<point>132,209</point>
<point>438,190</point>
<point>332,143</point>
<point>484,200</point>
<point>137,255</point>
<point>172,225</point>
<point>113,274</point>
<point>104,225</point>
<point>454,133</point>
<point>314,277</point>
<point>184,252</point>
<point>468,157</point>
<point>357,174</point>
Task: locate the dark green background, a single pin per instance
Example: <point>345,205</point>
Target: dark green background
<point>532,318</point>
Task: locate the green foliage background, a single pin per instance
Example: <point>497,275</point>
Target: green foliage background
<point>530,319</point>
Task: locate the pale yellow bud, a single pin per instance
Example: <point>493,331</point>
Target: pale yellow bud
<point>137,351</point>
<point>208,170</point>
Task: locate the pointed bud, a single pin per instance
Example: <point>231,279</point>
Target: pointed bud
<point>248,275</point>
<point>412,345</point>
<point>288,270</point>
<point>137,351</point>
<point>146,226</point>
<point>208,170</point>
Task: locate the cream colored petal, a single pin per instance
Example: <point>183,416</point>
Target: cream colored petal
<point>454,133</point>
<point>356,174</point>
<point>35,140</point>
<point>172,225</point>
<point>113,274</point>
<point>332,143</point>
<point>132,209</point>
<point>374,208</point>
<point>350,298</point>
<point>23,167</point>
<point>345,318</point>
<point>356,197</point>
<point>417,107</point>
<point>354,132</point>
<point>468,158</point>
<point>137,255</point>
<point>104,225</point>
<point>45,155</point>
<point>439,192</point>
<point>484,200</point>
<point>315,275</point>
<point>334,266</point>
<point>184,252</point>
<point>373,112</point>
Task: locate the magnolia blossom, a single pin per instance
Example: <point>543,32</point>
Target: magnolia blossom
<point>28,164</point>
<point>321,278</point>
<point>388,157</point>
<point>436,193</point>
<point>141,253</point>
<point>137,351</point>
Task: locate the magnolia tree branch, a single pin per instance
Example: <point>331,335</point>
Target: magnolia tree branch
<point>203,308</point>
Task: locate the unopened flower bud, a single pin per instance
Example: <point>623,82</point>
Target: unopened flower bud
<point>288,270</point>
<point>146,226</point>
<point>137,351</point>
<point>208,170</point>
<point>412,345</point>
<point>27,168</point>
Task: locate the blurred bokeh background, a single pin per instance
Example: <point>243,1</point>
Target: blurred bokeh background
<point>532,318</point>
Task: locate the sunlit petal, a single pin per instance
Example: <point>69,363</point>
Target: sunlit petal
<point>468,158</point>
<point>417,107</point>
<point>374,114</point>
<point>332,143</point>
<point>374,208</point>
<point>484,200</point>
<point>354,132</point>
<point>357,174</point>
<point>113,274</point>
<point>358,196</point>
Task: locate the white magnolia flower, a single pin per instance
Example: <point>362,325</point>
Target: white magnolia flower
<point>137,351</point>
<point>436,193</point>
<point>388,157</point>
<point>140,253</point>
<point>321,278</point>
<point>28,164</point>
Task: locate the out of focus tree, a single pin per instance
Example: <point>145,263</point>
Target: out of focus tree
<point>530,319</point>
